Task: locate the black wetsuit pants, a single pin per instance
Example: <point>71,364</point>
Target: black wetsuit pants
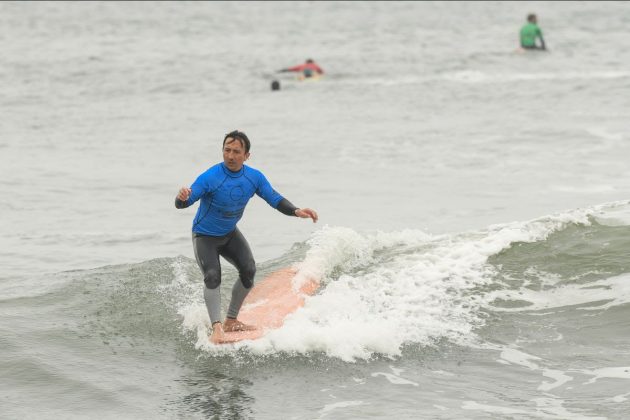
<point>235,249</point>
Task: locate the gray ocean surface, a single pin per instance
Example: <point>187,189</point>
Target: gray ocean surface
<point>474,207</point>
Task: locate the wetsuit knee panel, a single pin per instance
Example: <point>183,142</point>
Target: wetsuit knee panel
<point>247,274</point>
<point>212,278</point>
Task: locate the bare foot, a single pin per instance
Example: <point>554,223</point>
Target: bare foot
<point>231,325</point>
<point>217,333</point>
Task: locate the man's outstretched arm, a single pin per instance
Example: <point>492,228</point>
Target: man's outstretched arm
<point>181,201</point>
<point>306,213</point>
<point>286,207</point>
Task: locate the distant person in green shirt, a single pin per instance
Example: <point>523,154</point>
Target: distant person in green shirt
<point>530,32</point>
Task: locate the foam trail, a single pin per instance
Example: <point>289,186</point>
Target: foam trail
<point>602,294</point>
<point>475,76</point>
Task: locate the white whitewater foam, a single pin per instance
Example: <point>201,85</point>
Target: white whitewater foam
<point>395,377</point>
<point>517,357</point>
<point>341,404</point>
<point>342,247</point>
<point>546,408</point>
<point>622,372</point>
<point>475,76</point>
<point>615,214</point>
<point>602,294</point>
<point>381,291</point>
<point>620,398</point>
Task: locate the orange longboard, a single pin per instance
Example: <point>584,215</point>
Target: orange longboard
<point>268,304</point>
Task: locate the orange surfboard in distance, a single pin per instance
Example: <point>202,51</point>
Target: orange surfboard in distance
<point>268,304</point>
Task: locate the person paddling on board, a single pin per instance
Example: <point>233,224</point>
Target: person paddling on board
<point>530,32</point>
<point>308,69</point>
<point>224,190</point>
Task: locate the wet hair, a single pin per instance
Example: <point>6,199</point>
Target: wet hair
<point>531,17</point>
<point>241,137</point>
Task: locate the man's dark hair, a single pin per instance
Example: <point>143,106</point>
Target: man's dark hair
<point>531,17</point>
<point>241,137</point>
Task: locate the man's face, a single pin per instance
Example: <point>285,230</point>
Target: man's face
<point>234,154</point>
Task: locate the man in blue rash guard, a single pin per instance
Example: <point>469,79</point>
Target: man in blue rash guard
<point>224,191</point>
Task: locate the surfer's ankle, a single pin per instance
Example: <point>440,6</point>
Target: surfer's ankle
<point>217,332</point>
<point>233,324</point>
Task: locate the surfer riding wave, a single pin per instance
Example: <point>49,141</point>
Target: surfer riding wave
<point>224,190</point>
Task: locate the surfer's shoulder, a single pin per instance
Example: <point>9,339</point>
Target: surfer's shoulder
<point>253,175</point>
<point>214,171</point>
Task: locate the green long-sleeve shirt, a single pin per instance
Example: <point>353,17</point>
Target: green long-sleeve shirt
<point>529,33</point>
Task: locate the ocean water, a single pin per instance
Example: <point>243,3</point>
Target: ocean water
<point>474,209</point>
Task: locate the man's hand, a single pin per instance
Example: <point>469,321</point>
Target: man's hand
<point>306,213</point>
<point>184,193</point>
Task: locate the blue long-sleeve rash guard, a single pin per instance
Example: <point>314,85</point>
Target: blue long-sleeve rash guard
<point>224,195</point>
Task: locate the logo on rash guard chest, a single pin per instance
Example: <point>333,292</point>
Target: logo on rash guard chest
<point>236,193</point>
